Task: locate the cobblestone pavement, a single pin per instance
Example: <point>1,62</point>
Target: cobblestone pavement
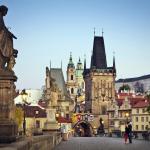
<point>101,143</point>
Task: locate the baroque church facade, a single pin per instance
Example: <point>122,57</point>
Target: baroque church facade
<point>75,83</point>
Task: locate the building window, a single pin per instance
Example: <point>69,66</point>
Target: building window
<point>142,119</point>
<point>146,119</point>
<point>137,111</point>
<point>82,85</point>
<point>143,110</point>
<point>37,124</point>
<point>67,116</point>
<point>136,119</point>
<point>67,108</point>
<point>137,127</point>
<point>72,90</point>
<point>121,114</point>
<point>111,122</point>
<point>103,110</point>
<point>142,127</point>
<point>71,77</point>
<point>146,127</point>
<point>112,115</point>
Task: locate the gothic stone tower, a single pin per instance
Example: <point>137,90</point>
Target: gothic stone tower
<point>99,80</point>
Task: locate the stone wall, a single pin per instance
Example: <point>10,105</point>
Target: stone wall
<point>43,142</point>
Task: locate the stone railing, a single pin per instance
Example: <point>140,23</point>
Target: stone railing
<point>43,142</point>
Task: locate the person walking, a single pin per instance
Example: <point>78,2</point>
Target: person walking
<point>126,133</point>
<point>130,132</point>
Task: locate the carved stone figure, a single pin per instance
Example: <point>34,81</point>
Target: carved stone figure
<point>8,126</point>
<point>7,52</point>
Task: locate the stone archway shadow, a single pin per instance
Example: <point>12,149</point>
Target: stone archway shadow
<point>83,129</point>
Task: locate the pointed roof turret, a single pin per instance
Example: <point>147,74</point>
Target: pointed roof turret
<point>114,64</point>
<point>71,64</point>
<point>79,64</point>
<point>98,58</point>
<point>84,62</point>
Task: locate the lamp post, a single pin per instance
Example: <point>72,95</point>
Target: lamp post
<point>127,115</point>
<point>58,116</point>
<point>24,98</point>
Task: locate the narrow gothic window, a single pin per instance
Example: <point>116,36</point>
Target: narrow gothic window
<point>103,110</point>
<point>72,90</point>
<point>82,85</point>
<point>71,77</point>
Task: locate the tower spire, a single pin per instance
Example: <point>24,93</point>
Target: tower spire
<point>71,64</point>
<point>84,62</point>
<point>114,64</point>
<point>50,65</point>
<point>94,31</point>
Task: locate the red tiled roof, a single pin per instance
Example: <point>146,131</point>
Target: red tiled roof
<point>35,111</point>
<point>141,104</point>
<point>133,101</point>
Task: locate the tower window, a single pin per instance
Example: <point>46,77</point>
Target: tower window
<point>82,85</point>
<point>71,77</point>
<point>72,90</point>
<point>103,108</point>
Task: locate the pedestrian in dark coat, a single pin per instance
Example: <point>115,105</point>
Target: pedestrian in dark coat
<point>130,132</point>
<point>126,133</point>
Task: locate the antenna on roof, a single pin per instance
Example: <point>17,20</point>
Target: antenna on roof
<point>102,32</point>
<point>94,31</point>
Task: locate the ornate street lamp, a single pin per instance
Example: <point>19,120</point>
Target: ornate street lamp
<point>24,100</point>
<point>127,115</point>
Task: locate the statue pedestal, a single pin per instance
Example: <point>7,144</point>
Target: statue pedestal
<point>8,130</point>
<point>51,124</point>
<point>8,127</point>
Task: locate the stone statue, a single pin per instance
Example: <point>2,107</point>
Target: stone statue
<point>8,126</point>
<point>7,52</point>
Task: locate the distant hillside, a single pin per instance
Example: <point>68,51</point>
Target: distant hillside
<point>137,84</point>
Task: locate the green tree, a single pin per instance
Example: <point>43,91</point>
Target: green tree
<point>124,87</point>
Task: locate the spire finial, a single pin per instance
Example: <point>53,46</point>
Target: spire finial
<point>102,32</point>
<point>61,64</point>
<point>50,64</point>
<point>94,31</point>
<point>114,53</point>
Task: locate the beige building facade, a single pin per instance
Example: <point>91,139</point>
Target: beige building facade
<point>140,117</point>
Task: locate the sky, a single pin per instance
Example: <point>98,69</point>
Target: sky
<point>48,30</point>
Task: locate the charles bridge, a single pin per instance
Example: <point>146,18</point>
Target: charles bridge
<point>9,139</point>
<point>55,142</point>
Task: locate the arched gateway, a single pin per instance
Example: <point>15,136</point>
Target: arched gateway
<point>83,129</point>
